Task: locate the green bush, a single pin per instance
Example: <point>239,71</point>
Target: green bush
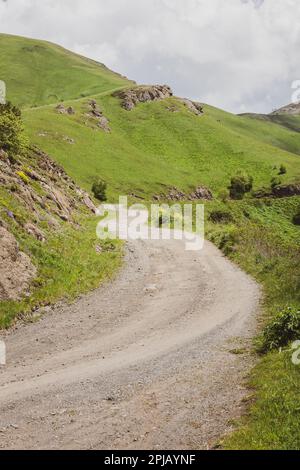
<point>282,170</point>
<point>240,185</point>
<point>275,182</point>
<point>224,195</point>
<point>99,190</point>
<point>219,217</point>
<point>296,218</point>
<point>225,239</point>
<point>283,329</point>
<point>12,138</point>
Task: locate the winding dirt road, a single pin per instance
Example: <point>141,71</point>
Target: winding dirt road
<point>144,362</point>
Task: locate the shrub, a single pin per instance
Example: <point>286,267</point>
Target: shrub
<point>282,170</point>
<point>296,218</point>
<point>275,182</point>
<point>226,239</point>
<point>99,190</point>
<point>12,139</point>
<point>283,329</point>
<point>223,195</point>
<point>240,185</point>
<point>219,216</point>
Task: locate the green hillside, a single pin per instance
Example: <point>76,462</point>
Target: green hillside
<point>282,130</point>
<point>162,144</point>
<point>38,72</point>
<point>150,147</point>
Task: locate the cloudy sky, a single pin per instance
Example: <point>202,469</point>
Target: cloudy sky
<point>240,55</point>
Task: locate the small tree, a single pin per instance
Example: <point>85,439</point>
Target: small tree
<point>282,170</point>
<point>12,138</point>
<point>240,185</point>
<point>99,190</point>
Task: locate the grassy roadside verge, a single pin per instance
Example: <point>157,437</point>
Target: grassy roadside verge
<point>263,241</point>
<point>71,262</point>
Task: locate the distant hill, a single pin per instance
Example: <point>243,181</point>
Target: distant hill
<point>38,73</point>
<point>288,117</point>
<point>292,109</point>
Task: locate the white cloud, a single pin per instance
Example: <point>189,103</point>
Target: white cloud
<point>236,54</point>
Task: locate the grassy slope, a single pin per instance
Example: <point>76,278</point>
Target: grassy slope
<point>38,72</point>
<point>281,130</point>
<point>266,244</point>
<point>67,262</point>
<point>151,148</point>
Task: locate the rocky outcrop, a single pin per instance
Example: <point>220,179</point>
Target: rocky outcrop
<point>96,119</point>
<point>61,109</point>
<point>142,94</point>
<point>202,193</point>
<point>286,190</point>
<point>175,194</point>
<point>43,188</point>
<point>16,269</point>
<point>193,106</point>
<point>39,198</point>
<point>280,191</point>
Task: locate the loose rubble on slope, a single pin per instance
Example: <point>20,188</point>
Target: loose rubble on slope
<point>176,194</point>
<point>97,116</point>
<point>92,115</point>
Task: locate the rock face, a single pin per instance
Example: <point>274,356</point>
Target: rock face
<point>142,94</point>
<point>43,189</point>
<point>44,196</point>
<point>16,269</point>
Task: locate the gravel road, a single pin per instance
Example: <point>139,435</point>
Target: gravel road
<point>143,362</point>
